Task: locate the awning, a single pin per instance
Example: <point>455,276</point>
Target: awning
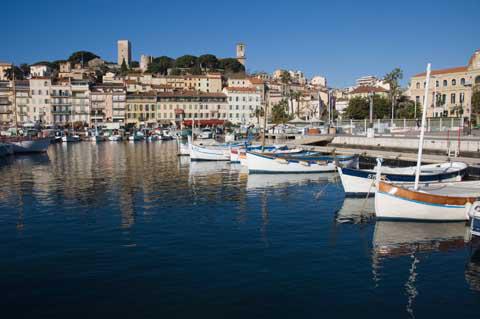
<point>204,122</point>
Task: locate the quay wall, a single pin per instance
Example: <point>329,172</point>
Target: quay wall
<point>467,146</point>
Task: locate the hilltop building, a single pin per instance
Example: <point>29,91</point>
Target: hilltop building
<point>124,52</point>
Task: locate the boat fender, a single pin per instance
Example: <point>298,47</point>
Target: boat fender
<point>473,210</point>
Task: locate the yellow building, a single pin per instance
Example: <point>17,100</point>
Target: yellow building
<point>450,90</point>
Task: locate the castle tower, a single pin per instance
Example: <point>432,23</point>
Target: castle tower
<point>241,53</point>
<point>124,52</point>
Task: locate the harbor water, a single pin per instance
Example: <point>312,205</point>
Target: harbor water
<point>131,230</point>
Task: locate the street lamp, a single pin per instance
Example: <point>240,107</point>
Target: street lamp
<point>370,96</point>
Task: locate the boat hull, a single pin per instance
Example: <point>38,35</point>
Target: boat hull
<point>259,163</point>
<point>361,182</point>
<point>200,153</point>
<point>30,146</point>
<point>394,202</point>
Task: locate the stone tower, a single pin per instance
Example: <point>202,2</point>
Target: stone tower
<point>241,53</point>
<point>124,52</point>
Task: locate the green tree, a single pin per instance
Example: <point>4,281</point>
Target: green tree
<point>186,61</point>
<point>79,56</point>
<point>393,79</point>
<point>123,68</point>
<point>285,77</point>
<point>230,65</point>
<point>279,112</point>
<point>357,109</point>
<point>25,69</point>
<point>476,105</point>
<point>381,107</point>
<point>8,73</point>
<point>134,64</point>
<point>208,61</point>
<point>160,65</point>
<point>175,71</point>
<point>259,113</point>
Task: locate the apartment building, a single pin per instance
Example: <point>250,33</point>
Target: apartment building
<point>61,102</point>
<point>141,108</point>
<point>40,104</point>
<point>450,90</point>
<point>242,104</point>
<point>80,100</point>
<point>107,103</point>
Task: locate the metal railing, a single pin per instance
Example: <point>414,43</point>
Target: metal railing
<point>398,126</point>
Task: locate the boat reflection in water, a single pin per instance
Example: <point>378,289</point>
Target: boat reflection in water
<point>472,269</point>
<point>259,181</point>
<point>393,239</point>
<point>356,210</point>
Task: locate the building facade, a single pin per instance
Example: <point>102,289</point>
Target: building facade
<point>242,104</point>
<point>450,90</point>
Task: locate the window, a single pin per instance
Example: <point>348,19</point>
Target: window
<point>437,84</point>
<point>424,84</point>
<point>418,85</point>
<point>417,99</point>
<point>477,80</point>
<point>462,97</point>
<point>452,98</point>
<point>462,81</point>
<point>454,82</point>
<point>445,82</point>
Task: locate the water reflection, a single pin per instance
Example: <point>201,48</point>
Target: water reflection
<point>472,269</point>
<point>393,239</point>
<point>259,181</point>
<point>356,210</point>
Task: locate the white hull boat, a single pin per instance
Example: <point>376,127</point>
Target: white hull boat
<point>262,163</point>
<point>115,138</point>
<point>209,153</point>
<point>430,202</point>
<point>70,138</point>
<point>38,145</point>
<point>359,182</point>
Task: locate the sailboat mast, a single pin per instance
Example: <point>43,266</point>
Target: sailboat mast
<point>14,99</point>
<point>265,99</point>
<point>422,128</point>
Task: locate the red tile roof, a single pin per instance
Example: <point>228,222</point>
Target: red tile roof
<point>241,89</point>
<point>256,81</point>
<point>457,69</point>
<point>368,89</point>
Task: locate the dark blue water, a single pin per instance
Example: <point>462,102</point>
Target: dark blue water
<point>133,231</point>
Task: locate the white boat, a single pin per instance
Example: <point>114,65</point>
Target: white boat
<point>136,137</point>
<point>209,153</point>
<point>263,163</point>
<point>451,201</point>
<point>70,138</point>
<point>357,182</point>
<point>29,145</point>
<point>205,134</point>
<point>153,138</point>
<point>115,138</point>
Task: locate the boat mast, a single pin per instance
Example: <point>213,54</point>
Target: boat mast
<point>14,100</point>
<point>422,128</point>
<point>265,99</point>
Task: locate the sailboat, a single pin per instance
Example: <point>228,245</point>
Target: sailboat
<point>427,202</point>
<point>25,144</point>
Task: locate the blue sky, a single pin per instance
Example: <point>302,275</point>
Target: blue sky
<point>341,40</point>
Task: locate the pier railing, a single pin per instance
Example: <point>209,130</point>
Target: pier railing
<point>397,126</point>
